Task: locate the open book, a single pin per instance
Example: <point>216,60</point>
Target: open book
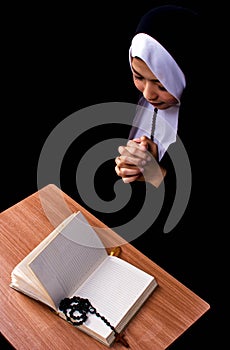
<point>73,262</point>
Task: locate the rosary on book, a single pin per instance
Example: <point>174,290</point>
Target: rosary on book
<point>76,309</point>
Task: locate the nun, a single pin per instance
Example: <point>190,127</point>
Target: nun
<point>163,60</point>
<point>167,140</point>
<point>170,160</point>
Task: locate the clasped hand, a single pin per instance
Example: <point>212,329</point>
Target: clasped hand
<point>138,162</point>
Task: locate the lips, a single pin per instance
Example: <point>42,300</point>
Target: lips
<point>156,104</point>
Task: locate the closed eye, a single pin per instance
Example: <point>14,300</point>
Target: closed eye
<point>138,77</point>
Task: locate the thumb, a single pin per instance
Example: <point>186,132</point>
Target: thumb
<point>152,147</point>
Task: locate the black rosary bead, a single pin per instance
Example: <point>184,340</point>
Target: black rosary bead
<point>75,310</point>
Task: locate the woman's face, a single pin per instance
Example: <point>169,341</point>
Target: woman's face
<point>146,82</point>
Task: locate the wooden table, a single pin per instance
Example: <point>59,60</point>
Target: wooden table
<point>28,324</point>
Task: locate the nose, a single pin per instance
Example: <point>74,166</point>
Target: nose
<point>150,92</point>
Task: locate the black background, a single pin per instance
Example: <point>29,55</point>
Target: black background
<point>58,60</point>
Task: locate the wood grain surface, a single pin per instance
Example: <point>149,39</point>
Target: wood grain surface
<point>28,324</point>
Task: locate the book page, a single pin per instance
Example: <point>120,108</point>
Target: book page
<point>21,277</point>
<point>113,288</point>
<point>68,259</point>
<point>24,282</point>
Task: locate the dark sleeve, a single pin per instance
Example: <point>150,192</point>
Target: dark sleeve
<point>169,185</point>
